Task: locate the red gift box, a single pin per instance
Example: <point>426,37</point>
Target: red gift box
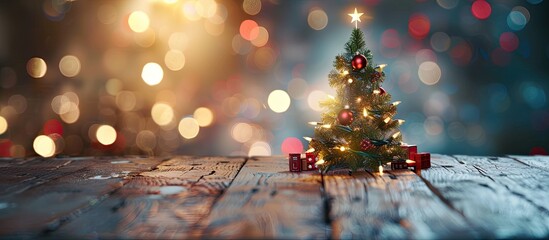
<point>424,158</point>
<point>410,150</point>
<point>295,162</point>
<point>304,164</point>
<point>311,160</point>
<point>399,164</point>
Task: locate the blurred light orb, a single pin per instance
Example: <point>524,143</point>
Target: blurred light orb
<point>429,73</point>
<point>52,126</point>
<point>162,114</point>
<point>3,125</point>
<point>240,45</point>
<point>481,9</point>
<point>204,116</point>
<point>138,21</point>
<point>174,60</point>
<point>146,140</point>
<point>44,146</point>
<point>314,99</point>
<point>419,26</point>
<point>72,115</point>
<point>260,149</point>
<point>242,132</point>
<point>433,125</point>
<point>448,4</point>
<point>69,66</point>
<point>36,67</point>
<point>508,41</point>
<point>516,20</point>
<point>214,26</point>
<point>279,101</point>
<point>205,8</point>
<point>113,86</point>
<point>152,73</point>
<point>424,55</point>
<point>188,127</point>
<point>440,41</point>
<point>106,134</point>
<point>249,30</point>
<point>178,41</point>
<point>317,19</point>
<point>291,145</point>
<point>190,11</point>
<point>126,101</point>
<point>251,7</point>
<point>264,58</point>
<point>262,37</point>
<point>146,38</point>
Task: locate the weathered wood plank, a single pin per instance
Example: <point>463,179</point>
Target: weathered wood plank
<point>45,206</point>
<point>499,195</point>
<point>541,162</point>
<point>267,201</point>
<point>396,205</point>
<point>166,202</point>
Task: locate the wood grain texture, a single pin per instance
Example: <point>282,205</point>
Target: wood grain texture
<point>503,197</point>
<point>166,202</point>
<point>267,201</point>
<point>541,162</point>
<point>58,190</point>
<point>396,205</point>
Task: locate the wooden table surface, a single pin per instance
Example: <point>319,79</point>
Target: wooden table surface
<point>238,197</point>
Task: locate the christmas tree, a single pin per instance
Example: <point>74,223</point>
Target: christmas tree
<point>358,128</point>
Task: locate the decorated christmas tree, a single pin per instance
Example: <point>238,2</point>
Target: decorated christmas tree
<point>358,128</point>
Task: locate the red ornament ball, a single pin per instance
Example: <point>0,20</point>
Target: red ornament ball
<point>345,117</point>
<point>382,91</point>
<point>366,144</point>
<point>359,62</point>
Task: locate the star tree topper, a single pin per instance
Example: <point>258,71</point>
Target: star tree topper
<point>356,17</point>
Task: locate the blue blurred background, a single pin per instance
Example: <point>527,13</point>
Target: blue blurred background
<point>209,77</point>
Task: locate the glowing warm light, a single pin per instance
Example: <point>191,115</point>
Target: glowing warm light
<point>350,80</point>
<point>396,103</point>
<point>396,134</point>
<point>387,119</point>
<point>145,39</point>
<point>162,113</point>
<point>401,121</point>
<point>36,67</point>
<point>310,150</point>
<point>174,60</point>
<point>205,8</point>
<point>314,123</point>
<point>113,86</point>
<point>358,100</point>
<point>105,135</point>
<point>188,128</point>
<point>204,116</point>
<point>355,17</point>
<point>346,106</point>
<point>345,73</point>
<point>248,30</point>
<point>260,149</point>
<point>3,125</point>
<point>429,73</point>
<point>146,140</point>
<point>308,139</point>
<point>376,91</point>
<point>152,73</point>
<point>380,68</point>
<point>178,41</point>
<point>342,148</point>
<point>242,132</point>
<point>481,9</point>
<point>364,112</point>
<point>320,162</point>
<point>279,101</point>
<point>317,19</point>
<point>262,37</point>
<point>380,170</point>
<point>138,21</point>
<point>107,14</point>
<point>126,100</point>
<point>251,7</point>
<point>69,66</point>
<point>326,126</point>
<point>44,146</point>
<point>72,115</point>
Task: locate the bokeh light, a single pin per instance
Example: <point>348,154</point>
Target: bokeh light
<point>481,9</point>
<point>152,73</point>
<point>429,73</point>
<point>252,7</point>
<point>440,41</point>
<point>419,26</point>
<point>260,149</point>
<point>516,20</point>
<point>146,140</point>
<point>188,127</point>
<point>69,66</point>
<point>36,67</point>
<point>105,134</point>
<point>317,19</point>
<point>162,114</point>
<point>249,30</point>
<point>508,41</point>
<point>242,132</point>
<point>3,125</point>
<point>292,145</point>
<point>138,21</point>
<point>204,116</point>
<point>44,146</point>
<point>174,60</point>
<point>315,98</point>
<point>262,37</point>
<point>279,101</point>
